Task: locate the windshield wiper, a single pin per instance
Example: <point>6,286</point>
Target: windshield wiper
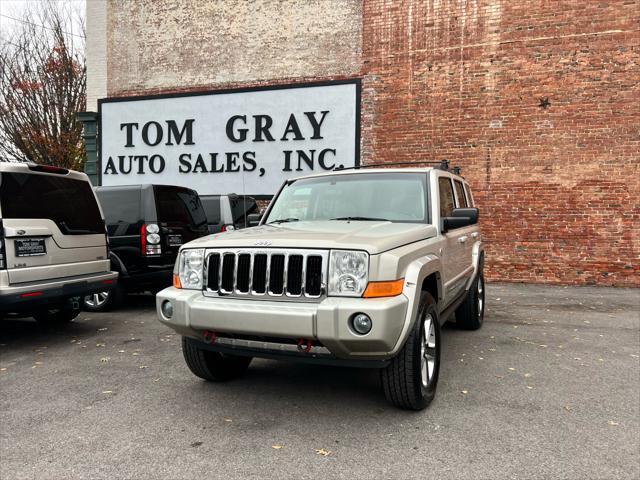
<point>364,219</point>
<point>284,220</point>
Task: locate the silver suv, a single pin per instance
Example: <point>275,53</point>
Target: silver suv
<point>53,243</point>
<point>353,267</point>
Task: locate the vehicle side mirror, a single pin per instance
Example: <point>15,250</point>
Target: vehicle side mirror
<point>253,219</point>
<point>461,217</point>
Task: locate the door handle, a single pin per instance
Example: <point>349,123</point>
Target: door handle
<point>462,239</point>
<point>475,235</point>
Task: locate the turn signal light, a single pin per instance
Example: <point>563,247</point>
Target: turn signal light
<point>384,289</point>
<point>176,281</point>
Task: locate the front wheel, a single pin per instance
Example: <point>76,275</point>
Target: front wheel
<point>410,380</point>
<point>212,366</point>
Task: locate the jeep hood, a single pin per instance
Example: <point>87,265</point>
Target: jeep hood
<point>372,236</point>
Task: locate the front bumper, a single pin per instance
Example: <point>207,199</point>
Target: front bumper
<point>325,322</point>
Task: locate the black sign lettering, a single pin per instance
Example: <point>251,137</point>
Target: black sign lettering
<point>187,131</point>
<point>242,132</point>
<point>315,124</point>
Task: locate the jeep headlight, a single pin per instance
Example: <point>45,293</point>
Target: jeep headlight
<point>348,273</point>
<point>190,268</point>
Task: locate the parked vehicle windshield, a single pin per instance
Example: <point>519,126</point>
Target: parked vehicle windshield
<point>394,197</point>
<point>68,202</point>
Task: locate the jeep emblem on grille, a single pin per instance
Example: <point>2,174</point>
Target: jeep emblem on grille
<point>263,243</point>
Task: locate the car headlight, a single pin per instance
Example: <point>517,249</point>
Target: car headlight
<point>191,268</point>
<point>348,273</point>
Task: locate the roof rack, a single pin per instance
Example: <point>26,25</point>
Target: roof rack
<point>441,165</point>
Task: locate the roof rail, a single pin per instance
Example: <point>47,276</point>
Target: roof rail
<point>441,165</point>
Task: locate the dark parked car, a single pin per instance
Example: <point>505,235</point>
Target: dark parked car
<point>146,225</point>
<point>228,212</point>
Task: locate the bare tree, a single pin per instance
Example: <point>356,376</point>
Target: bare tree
<point>42,87</point>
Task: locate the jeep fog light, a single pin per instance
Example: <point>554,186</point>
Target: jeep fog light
<point>361,323</point>
<point>348,273</point>
<point>167,309</point>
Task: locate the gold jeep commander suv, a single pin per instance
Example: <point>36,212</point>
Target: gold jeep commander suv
<point>353,267</point>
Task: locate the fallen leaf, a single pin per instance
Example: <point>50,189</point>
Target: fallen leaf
<point>512,369</point>
<point>3,369</point>
<point>135,354</point>
<point>196,444</point>
<point>567,408</point>
<point>100,344</point>
<point>102,329</point>
<point>108,391</point>
<point>465,391</point>
<point>228,420</point>
<point>323,452</point>
<point>611,422</point>
<point>529,387</point>
<point>142,366</point>
<point>527,375</point>
<point>276,447</point>
<point>105,359</point>
<point>121,351</point>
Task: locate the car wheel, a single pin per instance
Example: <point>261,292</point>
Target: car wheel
<point>104,301</point>
<point>212,366</point>
<point>411,379</point>
<point>470,313</point>
<point>56,316</point>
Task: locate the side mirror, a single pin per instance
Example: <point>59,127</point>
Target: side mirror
<point>461,217</point>
<point>253,219</point>
<point>471,213</point>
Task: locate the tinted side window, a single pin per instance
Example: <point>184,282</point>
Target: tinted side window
<point>242,206</point>
<point>68,202</point>
<point>121,210</point>
<point>212,209</point>
<point>469,197</point>
<point>446,197</point>
<point>179,206</point>
<point>462,200</point>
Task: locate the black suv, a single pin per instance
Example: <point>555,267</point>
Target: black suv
<point>228,212</point>
<point>146,225</point>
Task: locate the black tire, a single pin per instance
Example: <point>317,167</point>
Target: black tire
<point>470,313</point>
<point>113,300</point>
<point>57,316</point>
<point>212,366</point>
<point>402,379</point>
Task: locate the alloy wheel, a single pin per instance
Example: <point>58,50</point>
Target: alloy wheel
<point>97,300</point>
<point>428,350</point>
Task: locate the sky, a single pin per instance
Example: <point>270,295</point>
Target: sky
<point>15,9</point>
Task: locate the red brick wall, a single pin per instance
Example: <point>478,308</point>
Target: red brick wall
<point>536,100</point>
<point>558,187</point>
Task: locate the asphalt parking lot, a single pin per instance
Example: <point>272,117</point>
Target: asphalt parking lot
<point>548,388</point>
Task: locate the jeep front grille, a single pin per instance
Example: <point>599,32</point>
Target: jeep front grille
<point>272,273</point>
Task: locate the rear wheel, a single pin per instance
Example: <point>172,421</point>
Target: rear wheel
<point>104,301</point>
<point>58,316</point>
<point>411,379</point>
<point>470,313</point>
<point>212,366</point>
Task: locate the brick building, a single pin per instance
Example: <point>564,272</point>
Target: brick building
<point>536,100</point>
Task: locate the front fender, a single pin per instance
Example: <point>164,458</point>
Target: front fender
<point>414,276</point>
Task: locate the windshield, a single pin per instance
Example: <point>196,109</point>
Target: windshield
<point>395,197</point>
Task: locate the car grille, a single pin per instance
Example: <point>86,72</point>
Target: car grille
<point>280,274</point>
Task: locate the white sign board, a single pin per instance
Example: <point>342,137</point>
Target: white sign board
<point>243,141</point>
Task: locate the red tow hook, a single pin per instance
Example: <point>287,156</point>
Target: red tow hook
<point>302,347</point>
<point>209,337</point>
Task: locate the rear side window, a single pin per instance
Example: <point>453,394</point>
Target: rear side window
<point>462,200</point>
<point>241,207</point>
<point>212,209</point>
<point>121,208</point>
<point>469,197</point>
<point>179,206</point>
<point>68,202</point>
<point>446,197</point>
